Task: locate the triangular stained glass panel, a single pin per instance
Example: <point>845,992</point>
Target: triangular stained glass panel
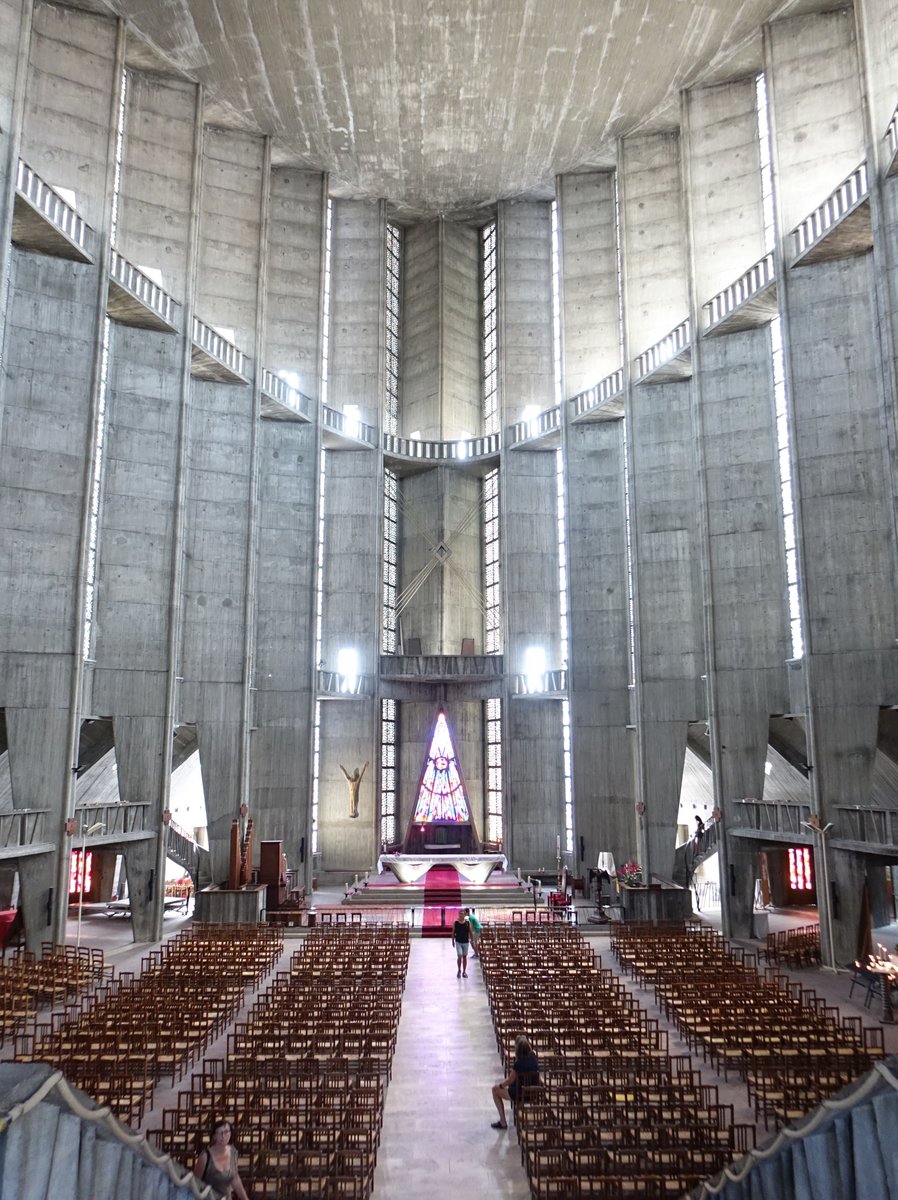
<point>441,796</point>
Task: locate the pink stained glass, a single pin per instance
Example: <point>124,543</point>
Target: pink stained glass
<point>441,796</point>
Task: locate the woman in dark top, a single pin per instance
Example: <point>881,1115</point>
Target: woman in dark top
<point>524,1073</point>
<point>217,1164</point>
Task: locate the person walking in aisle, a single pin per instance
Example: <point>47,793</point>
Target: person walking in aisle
<point>475,927</point>
<point>461,936</point>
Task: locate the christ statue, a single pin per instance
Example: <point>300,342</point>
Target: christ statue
<point>353,782</point>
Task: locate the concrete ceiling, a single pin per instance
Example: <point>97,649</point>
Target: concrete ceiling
<point>445,106</point>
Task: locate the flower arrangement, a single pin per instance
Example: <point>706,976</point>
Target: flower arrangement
<point>630,872</point>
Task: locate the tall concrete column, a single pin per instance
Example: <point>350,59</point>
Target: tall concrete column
<point>598,677</point>
<point>664,517</point>
<point>15,38</point>
<point>534,771</point>
<point>287,542</point>
<point>353,504</point>
<point>141,503</point>
<point>52,355</point>
<point>215,637</point>
<point>734,432</point>
<point>844,523</point>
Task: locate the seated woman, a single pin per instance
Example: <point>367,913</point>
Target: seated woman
<point>524,1073</point>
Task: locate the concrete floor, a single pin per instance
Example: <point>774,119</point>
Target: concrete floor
<point>437,1142</point>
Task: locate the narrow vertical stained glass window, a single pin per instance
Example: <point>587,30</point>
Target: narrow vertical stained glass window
<point>387,772</point>
<point>441,794</point>
<point>391,303</point>
<point>492,589</point>
<point>390,561</point>
<point>493,714</point>
<point>489,300</point>
<point>783,439</point>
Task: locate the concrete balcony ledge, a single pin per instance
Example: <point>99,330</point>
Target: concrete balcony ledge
<point>278,401</point>
<point>746,303</point>
<point>669,360</point>
<point>334,686</point>
<point>135,300</point>
<point>542,432</point>
<point>841,227</point>
<point>42,221</point>
<point>441,667</point>
<point>215,358</point>
<point>751,816</point>
<point>408,456</point>
<point>550,686</point>
<point>342,432</point>
<point>602,402</point>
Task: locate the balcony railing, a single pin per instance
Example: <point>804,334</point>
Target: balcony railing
<point>285,396</point>
<point>117,820</point>
<point>222,352</point>
<point>337,422</point>
<point>785,819</point>
<point>755,280</point>
<point>892,142</point>
<point>551,683</point>
<point>142,288</point>
<point>600,394</point>
<point>537,427</point>
<point>52,208</point>
<point>461,450</point>
<point>851,193</point>
<point>22,828</point>
<point>877,826</point>
<point>332,683</point>
<point>671,347</point>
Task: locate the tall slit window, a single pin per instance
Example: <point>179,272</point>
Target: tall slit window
<point>493,723</point>
<point>391,304</point>
<point>388,772</point>
<point>390,560</point>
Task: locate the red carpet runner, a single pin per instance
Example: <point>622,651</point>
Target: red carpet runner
<point>442,896</point>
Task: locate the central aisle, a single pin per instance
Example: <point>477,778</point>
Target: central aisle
<point>437,1143</point>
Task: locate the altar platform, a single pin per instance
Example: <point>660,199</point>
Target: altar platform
<point>498,888</point>
<point>472,868</point>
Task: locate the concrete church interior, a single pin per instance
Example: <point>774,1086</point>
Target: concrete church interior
<point>448,456</point>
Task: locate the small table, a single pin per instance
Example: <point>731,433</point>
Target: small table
<point>886,974</point>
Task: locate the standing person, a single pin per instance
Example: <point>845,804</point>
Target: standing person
<point>524,1073</point>
<point>217,1164</point>
<point>699,832</point>
<point>461,936</point>
<point>474,927</point>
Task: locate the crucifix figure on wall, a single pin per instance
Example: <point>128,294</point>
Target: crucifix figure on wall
<point>353,781</point>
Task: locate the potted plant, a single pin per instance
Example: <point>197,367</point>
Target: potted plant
<point>630,873</point>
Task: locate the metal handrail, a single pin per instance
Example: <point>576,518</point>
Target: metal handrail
<point>42,197</point>
<point>847,196</point>
<point>460,450</point>
<point>218,347</point>
<point>758,276</point>
<point>669,347</point>
<point>545,422</point>
<point>600,393</point>
<point>141,287</point>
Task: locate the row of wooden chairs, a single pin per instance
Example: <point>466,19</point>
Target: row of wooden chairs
<point>790,1047</point>
<point>305,1073</point>
<point>614,1113</point>
<point>799,947</point>
<point>118,1042</point>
